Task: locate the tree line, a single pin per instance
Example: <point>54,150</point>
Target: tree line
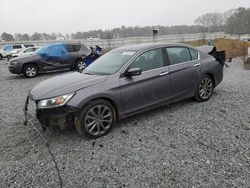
<point>235,21</point>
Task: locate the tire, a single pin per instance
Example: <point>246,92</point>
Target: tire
<point>96,119</point>
<point>1,57</point>
<point>204,89</point>
<point>30,71</point>
<point>79,65</point>
<point>8,57</point>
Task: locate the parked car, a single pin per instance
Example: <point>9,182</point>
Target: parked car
<point>8,50</point>
<point>5,51</point>
<point>59,56</point>
<point>27,51</point>
<point>123,82</point>
<point>247,39</point>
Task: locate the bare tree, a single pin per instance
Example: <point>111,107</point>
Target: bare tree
<point>7,37</point>
<point>21,37</point>
<point>238,22</point>
<point>210,20</point>
<point>37,36</point>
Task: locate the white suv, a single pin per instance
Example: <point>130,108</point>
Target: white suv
<point>10,49</point>
<point>26,51</point>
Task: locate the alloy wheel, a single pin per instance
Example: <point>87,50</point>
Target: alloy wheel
<point>205,88</point>
<point>98,120</point>
<point>81,65</point>
<point>30,71</point>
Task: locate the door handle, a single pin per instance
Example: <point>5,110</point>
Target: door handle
<point>197,65</point>
<point>164,73</point>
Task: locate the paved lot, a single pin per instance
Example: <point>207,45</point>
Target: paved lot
<point>187,144</point>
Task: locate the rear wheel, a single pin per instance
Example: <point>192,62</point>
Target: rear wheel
<point>30,71</point>
<point>205,89</point>
<point>1,57</point>
<point>80,65</point>
<point>97,119</point>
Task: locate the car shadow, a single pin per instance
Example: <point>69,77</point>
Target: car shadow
<point>54,73</point>
<point>154,112</point>
<point>40,75</point>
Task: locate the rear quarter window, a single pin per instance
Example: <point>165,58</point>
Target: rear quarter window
<point>28,45</point>
<point>76,47</point>
<point>84,48</point>
<point>194,54</point>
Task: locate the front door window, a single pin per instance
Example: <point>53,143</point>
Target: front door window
<point>149,60</point>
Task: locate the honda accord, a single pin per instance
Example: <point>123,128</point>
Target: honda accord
<point>123,82</point>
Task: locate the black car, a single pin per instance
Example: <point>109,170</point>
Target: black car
<point>123,82</point>
<point>59,56</point>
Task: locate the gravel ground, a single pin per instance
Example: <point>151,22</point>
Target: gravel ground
<point>186,144</point>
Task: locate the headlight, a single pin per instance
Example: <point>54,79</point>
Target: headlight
<point>13,62</point>
<point>54,102</point>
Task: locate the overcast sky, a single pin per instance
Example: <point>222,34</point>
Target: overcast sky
<point>69,16</point>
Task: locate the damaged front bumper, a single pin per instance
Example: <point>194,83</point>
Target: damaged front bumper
<point>54,117</point>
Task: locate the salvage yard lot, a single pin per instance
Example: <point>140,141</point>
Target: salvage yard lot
<point>180,145</point>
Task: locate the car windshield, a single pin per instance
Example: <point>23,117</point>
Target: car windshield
<point>7,48</point>
<point>109,63</point>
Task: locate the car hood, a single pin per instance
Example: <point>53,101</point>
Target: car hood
<point>64,84</point>
<point>27,58</point>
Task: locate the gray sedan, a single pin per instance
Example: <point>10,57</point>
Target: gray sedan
<point>123,82</point>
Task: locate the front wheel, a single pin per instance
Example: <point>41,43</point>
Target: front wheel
<point>97,119</point>
<point>1,57</point>
<point>8,57</point>
<point>30,71</point>
<point>204,89</point>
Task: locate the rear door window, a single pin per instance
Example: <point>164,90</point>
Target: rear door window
<point>17,46</point>
<point>178,55</point>
<point>69,48</point>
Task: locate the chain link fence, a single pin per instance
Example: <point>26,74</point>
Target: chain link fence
<point>114,43</point>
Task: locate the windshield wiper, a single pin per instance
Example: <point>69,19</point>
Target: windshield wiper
<point>88,73</point>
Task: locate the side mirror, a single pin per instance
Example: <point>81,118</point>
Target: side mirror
<point>133,72</point>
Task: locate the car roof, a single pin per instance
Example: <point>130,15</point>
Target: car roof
<point>145,46</point>
<point>72,43</point>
